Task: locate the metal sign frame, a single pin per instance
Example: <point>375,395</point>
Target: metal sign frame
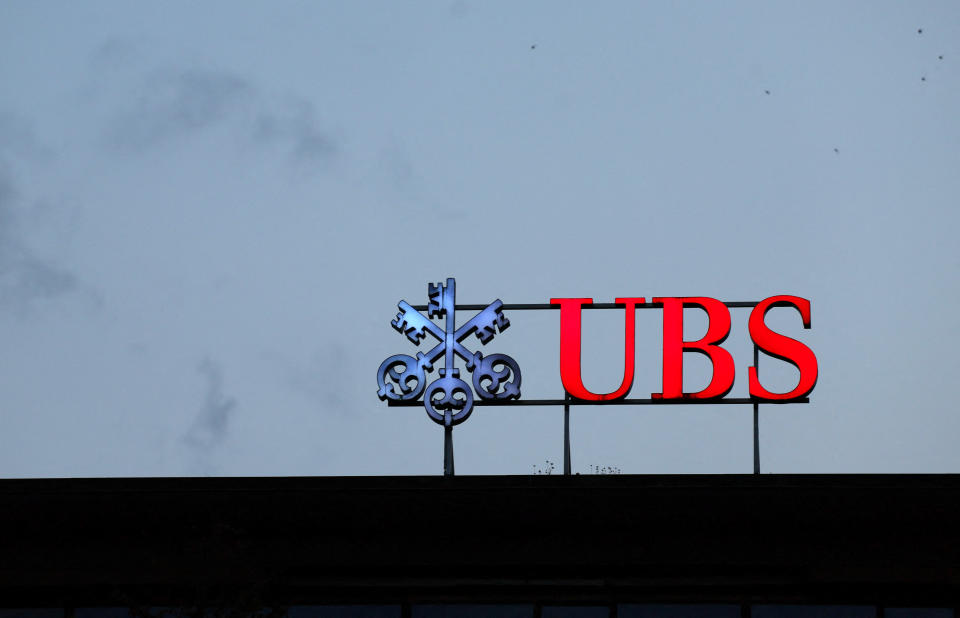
<point>497,377</point>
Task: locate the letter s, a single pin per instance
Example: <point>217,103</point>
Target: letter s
<point>783,348</point>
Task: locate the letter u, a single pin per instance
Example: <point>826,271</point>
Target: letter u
<point>570,348</point>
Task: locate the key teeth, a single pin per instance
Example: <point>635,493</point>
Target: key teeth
<point>498,323</point>
<point>485,334</point>
<point>413,333</point>
<point>435,305</point>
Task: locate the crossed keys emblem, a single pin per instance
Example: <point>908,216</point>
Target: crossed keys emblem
<point>448,399</point>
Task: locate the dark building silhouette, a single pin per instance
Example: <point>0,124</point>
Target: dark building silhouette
<point>727,546</point>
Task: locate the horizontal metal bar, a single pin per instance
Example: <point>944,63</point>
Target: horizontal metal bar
<point>615,402</point>
<point>541,306</point>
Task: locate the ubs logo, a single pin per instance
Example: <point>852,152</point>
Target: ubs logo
<point>449,399</point>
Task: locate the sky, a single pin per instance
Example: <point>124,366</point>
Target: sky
<point>209,212</point>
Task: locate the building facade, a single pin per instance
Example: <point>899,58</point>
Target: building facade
<point>582,546</point>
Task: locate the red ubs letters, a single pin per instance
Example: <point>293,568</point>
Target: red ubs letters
<point>674,346</point>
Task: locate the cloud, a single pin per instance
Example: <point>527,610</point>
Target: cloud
<point>210,427</point>
<point>171,104</point>
<point>167,106</point>
<point>26,277</point>
<point>17,138</point>
<point>295,127</point>
<point>8,194</point>
<point>114,53</point>
<point>322,378</point>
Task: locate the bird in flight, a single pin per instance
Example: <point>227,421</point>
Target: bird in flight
<point>924,78</point>
<point>940,57</point>
<point>919,30</point>
<point>534,46</point>
<point>836,150</point>
<point>766,92</point>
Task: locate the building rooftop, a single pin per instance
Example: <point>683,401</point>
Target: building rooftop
<point>878,539</point>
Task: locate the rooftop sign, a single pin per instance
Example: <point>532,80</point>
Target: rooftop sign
<point>496,378</point>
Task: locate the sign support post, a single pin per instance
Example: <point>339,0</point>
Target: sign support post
<point>448,450</point>
<point>566,434</point>
<point>756,417</point>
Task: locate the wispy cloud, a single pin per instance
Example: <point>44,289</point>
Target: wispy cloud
<point>209,428</point>
<point>322,378</point>
<point>26,277</point>
<point>17,138</point>
<point>114,53</point>
<point>170,105</point>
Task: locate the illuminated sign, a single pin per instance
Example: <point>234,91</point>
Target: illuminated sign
<point>718,316</point>
<point>449,399</point>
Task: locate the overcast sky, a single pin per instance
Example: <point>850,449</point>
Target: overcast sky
<point>209,211</point>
